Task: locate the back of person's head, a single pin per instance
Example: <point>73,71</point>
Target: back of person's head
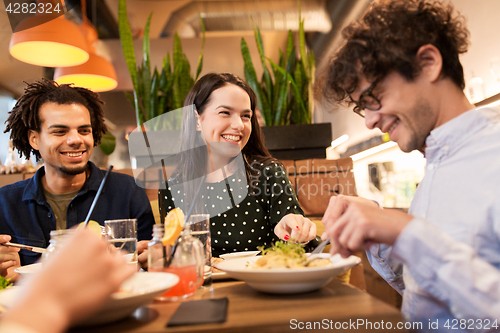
<point>387,39</point>
<point>25,114</point>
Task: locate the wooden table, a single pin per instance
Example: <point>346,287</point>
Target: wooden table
<point>251,311</point>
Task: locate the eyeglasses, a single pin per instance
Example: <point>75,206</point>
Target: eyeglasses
<point>367,100</point>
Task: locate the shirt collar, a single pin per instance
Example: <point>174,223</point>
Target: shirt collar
<point>453,133</point>
<point>34,188</point>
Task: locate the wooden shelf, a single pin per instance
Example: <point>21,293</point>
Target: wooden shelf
<point>488,100</point>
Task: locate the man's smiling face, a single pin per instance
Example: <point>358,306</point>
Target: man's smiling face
<point>65,140</point>
<point>405,112</point>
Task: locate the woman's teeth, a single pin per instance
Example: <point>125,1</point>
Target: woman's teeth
<point>233,138</point>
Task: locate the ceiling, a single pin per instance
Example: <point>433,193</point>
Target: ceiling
<point>226,22</point>
<point>222,51</point>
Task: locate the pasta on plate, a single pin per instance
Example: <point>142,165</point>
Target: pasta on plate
<point>286,255</point>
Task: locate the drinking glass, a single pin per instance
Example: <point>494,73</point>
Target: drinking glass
<point>122,235</point>
<point>200,228</point>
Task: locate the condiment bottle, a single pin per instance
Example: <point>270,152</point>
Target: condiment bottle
<point>56,240</point>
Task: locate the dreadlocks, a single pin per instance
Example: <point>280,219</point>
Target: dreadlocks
<point>25,116</point>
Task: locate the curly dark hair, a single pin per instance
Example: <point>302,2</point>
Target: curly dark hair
<point>387,39</point>
<point>25,116</point>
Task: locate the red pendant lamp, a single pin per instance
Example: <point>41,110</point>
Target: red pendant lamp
<point>48,40</point>
<point>97,74</point>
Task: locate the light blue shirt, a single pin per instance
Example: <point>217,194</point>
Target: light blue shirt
<point>451,250</point>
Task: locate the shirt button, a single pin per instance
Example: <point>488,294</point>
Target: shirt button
<point>446,148</point>
<point>49,215</point>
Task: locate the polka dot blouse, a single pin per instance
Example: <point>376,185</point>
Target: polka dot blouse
<point>242,219</point>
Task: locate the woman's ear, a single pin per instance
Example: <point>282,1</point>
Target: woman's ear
<point>33,139</point>
<point>431,61</point>
<point>198,121</point>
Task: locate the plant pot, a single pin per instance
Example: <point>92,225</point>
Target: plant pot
<point>297,142</point>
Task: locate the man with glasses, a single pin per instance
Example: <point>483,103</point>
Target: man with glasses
<point>400,67</point>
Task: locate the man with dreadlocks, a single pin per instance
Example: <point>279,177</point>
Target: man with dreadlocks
<point>61,124</point>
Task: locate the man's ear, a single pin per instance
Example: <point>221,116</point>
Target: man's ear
<point>430,61</point>
<point>33,137</point>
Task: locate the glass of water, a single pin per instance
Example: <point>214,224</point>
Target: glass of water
<point>122,235</point>
<point>200,228</point>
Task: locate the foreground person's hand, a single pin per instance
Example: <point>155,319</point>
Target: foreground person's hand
<point>72,284</point>
<point>142,254</point>
<point>9,258</point>
<point>296,227</point>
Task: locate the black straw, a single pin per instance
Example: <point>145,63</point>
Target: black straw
<point>103,182</point>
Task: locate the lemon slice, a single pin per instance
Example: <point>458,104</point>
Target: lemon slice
<point>174,223</point>
<point>92,225</point>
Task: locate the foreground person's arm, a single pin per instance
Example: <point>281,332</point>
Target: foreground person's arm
<point>71,286</point>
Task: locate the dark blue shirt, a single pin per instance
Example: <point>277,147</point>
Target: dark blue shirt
<point>28,218</point>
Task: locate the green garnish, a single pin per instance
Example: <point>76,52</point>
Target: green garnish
<point>4,283</point>
<point>290,249</point>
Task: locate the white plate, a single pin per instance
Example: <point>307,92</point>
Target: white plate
<point>287,280</point>
<point>137,291</point>
<point>33,268</point>
<point>219,276</point>
<point>235,255</point>
<point>28,269</point>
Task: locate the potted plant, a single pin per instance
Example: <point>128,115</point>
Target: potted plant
<point>156,92</point>
<point>285,97</point>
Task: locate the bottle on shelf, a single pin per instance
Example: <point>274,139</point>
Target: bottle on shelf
<point>476,89</point>
<point>2,168</point>
<point>27,165</point>
<point>11,164</point>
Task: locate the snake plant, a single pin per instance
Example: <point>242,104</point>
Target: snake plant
<point>284,94</point>
<point>155,92</point>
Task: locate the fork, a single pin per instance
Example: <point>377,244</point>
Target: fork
<point>315,254</point>
<point>321,246</point>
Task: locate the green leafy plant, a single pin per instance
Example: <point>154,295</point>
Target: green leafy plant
<point>157,92</point>
<point>284,94</point>
<point>108,143</point>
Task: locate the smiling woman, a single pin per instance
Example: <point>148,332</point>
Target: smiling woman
<point>247,193</point>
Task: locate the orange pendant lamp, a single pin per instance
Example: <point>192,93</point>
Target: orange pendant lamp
<point>48,40</point>
<point>97,74</point>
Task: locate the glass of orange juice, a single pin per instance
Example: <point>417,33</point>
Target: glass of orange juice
<point>187,261</point>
